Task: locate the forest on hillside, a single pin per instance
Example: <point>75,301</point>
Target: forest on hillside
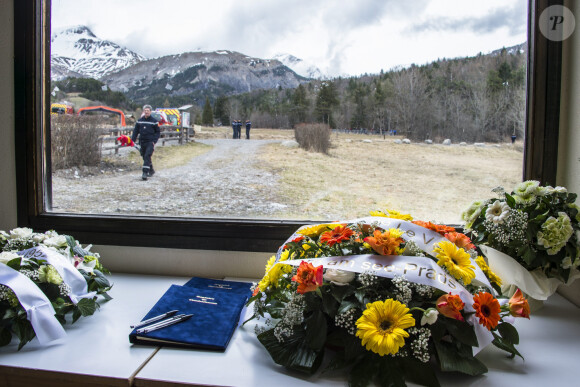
<point>472,99</point>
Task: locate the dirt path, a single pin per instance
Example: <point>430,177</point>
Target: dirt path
<point>224,180</point>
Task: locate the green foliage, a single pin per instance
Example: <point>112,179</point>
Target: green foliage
<point>207,115</point>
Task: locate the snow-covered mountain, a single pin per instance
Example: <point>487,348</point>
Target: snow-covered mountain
<point>201,73</point>
<point>299,66</point>
<point>76,51</point>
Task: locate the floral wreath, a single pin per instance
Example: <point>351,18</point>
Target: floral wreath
<point>391,298</point>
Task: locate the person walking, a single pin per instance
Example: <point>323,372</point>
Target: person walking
<point>147,129</point>
<point>248,127</point>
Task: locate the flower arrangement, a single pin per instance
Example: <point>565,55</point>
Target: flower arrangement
<point>536,226</point>
<point>38,265</point>
<point>385,298</point>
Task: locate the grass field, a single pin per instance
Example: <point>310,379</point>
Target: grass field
<point>431,182</point>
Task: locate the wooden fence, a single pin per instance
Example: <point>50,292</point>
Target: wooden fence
<point>168,133</point>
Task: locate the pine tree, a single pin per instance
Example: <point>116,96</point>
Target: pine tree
<point>326,100</point>
<point>207,114</point>
<point>221,110</point>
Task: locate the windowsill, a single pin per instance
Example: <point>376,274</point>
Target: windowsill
<point>97,351</point>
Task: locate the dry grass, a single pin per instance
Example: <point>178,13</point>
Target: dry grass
<point>431,182</point>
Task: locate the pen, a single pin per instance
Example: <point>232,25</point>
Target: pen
<point>156,318</point>
<point>166,323</point>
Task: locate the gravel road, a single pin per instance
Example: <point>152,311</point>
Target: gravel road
<point>225,180</point>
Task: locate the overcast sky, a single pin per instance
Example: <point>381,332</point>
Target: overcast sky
<point>340,37</point>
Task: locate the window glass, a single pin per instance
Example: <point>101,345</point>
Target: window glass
<point>299,111</point>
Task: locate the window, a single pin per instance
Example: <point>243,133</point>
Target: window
<point>32,115</point>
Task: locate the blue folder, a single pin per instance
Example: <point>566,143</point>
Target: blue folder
<point>216,313</point>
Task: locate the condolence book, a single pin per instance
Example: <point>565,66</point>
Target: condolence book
<point>216,313</point>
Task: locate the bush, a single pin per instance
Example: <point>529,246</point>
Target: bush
<point>74,141</point>
<point>314,137</point>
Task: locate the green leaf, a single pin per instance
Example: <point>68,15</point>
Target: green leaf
<point>316,330</point>
<point>292,352</point>
<point>462,331</point>
<point>86,306</point>
<point>101,280</point>
<point>329,303</point>
<point>510,200</point>
<point>106,296</point>
<point>362,373</point>
<point>390,373</point>
<point>509,333</point>
<point>458,357</point>
<point>499,342</point>
<point>419,372</point>
<point>76,315</point>
<point>341,292</point>
<point>5,336</point>
<point>23,330</point>
<point>15,263</point>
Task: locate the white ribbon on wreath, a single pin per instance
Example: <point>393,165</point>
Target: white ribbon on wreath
<point>38,308</point>
<point>70,275</point>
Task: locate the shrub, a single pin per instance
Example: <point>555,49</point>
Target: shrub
<point>314,137</point>
<point>74,141</point>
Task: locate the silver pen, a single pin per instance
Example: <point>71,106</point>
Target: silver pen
<point>165,323</point>
<point>154,319</point>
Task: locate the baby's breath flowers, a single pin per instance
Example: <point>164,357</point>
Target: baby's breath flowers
<point>538,226</point>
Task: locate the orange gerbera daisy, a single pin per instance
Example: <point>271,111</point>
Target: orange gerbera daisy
<point>337,235</point>
<point>386,243</point>
<point>450,305</point>
<point>309,278</point>
<point>487,309</point>
<point>519,306</point>
<point>440,228</point>
<point>460,240</point>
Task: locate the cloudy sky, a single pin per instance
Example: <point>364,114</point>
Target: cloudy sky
<point>340,37</point>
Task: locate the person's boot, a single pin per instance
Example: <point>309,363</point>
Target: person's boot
<point>145,174</point>
<point>151,172</point>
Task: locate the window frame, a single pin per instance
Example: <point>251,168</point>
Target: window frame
<point>31,24</point>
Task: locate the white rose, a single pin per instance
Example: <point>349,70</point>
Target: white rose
<point>55,241</point>
<point>21,232</point>
<point>338,277</point>
<point>429,317</point>
<point>7,256</point>
<point>38,238</point>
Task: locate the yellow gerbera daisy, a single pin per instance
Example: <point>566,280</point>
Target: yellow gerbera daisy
<point>276,272</point>
<point>392,214</point>
<point>456,260</point>
<point>316,230</point>
<point>487,271</point>
<point>381,327</point>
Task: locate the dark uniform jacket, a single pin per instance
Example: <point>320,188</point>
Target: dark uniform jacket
<point>147,129</point>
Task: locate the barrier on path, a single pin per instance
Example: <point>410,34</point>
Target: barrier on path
<point>168,133</point>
